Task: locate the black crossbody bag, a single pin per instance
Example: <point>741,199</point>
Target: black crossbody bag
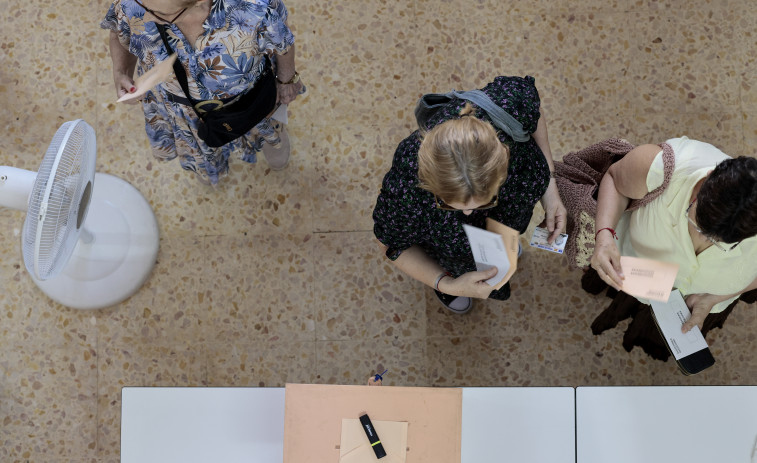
<point>226,122</point>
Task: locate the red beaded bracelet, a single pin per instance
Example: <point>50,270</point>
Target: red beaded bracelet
<point>439,279</point>
<point>614,235</point>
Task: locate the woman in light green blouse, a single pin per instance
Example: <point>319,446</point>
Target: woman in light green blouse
<point>705,221</point>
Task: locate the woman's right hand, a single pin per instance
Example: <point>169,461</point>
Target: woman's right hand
<point>124,85</point>
<point>471,284</point>
<point>286,93</point>
<point>606,260</point>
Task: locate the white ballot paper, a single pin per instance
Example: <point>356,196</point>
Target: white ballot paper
<point>670,317</point>
<point>488,251</point>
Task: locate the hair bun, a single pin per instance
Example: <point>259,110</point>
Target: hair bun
<point>468,110</point>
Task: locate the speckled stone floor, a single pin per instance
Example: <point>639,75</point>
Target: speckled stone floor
<point>275,277</point>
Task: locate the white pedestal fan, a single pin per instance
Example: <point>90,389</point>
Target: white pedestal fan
<point>89,240</point>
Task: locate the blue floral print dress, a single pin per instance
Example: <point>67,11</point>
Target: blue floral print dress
<point>405,215</point>
<point>226,59</point>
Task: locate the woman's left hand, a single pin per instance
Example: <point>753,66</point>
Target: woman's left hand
<point>286,93</point>
<point>700,306</point>
<point>554,211</point>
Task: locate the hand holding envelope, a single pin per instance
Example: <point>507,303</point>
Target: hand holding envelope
<point>510,237</point>
<point>670,317</point>
<point>355,448</point>
<point>497,246</point>
<point>156,75</point>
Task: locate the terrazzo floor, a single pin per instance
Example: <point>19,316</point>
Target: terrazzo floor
<point>275,277</point>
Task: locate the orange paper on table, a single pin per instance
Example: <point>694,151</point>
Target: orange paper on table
<point>510,238</point>
<point>314,413</point>
<point>157,74</point>
<point>647,278</point>
<point>356,448</point>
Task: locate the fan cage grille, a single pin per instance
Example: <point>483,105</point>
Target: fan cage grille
<point>58,231</point>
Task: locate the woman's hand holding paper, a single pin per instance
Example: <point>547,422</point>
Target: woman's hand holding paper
<point>124,87</point>
<point>471,284</point>
<point>144,83</point>
<point>555,213</point>
<point>700,306</point>
<point>606,261</point>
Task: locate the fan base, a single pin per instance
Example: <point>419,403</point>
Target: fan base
<point>117,263</point>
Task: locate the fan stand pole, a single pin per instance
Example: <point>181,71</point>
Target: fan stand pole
<point>86,236</point>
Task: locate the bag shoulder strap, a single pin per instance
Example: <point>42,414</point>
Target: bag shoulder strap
<point>178,69</point>
<point>499,116</point>
<point>669,165</point>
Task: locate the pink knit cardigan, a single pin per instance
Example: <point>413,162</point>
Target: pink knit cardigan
<point>578,177</point>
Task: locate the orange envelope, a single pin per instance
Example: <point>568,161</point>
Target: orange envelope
<point>355,447</point>
<point>157,74</point>
<point>314,412</point>
<point>510,238</point>
<point>647,278</point>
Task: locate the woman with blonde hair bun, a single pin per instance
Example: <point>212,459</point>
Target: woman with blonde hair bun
<point>462,159</point>
<point>459,168</point>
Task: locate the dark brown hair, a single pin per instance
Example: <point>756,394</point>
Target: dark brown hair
<point>727,201</point>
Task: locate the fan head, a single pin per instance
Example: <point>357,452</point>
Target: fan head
<point>59,199</point>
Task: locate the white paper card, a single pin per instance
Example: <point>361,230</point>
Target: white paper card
<point>671,316</point>
<point>540,237</point>
<point>281,114</point>
<point>488,251</point>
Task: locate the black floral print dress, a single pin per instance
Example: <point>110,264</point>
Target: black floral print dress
<point>405,215</point>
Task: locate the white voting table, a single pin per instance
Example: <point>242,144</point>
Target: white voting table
<point>518,424</point>
<point>666,424</point>
<point>187,424</point>
<point>236,425</point>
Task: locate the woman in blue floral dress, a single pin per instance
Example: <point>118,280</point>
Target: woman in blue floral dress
<point>222,45</point>
<point>460,170</point>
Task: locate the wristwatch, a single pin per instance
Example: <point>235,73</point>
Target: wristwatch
<point>295,78</point>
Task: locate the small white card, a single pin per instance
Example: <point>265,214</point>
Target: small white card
<point>671,316</point>
<point>488,251</point>
<point>540,237</point>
